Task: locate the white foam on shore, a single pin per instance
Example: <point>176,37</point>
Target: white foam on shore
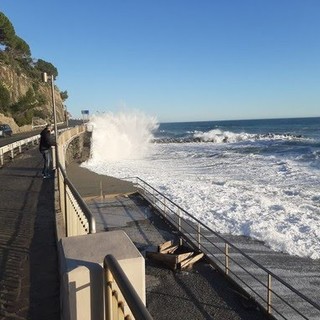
<point>271,199</point>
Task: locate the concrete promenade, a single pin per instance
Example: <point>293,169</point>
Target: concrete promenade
<point>29,279</point>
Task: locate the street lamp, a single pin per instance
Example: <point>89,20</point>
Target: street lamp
<point>45,78</point>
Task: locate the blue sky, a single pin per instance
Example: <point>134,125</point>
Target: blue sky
<point>179,60</point>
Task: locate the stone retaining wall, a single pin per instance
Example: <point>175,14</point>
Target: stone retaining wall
<point>79,148</point>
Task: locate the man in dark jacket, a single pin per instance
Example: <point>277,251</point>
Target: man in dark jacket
<point>46,142</point>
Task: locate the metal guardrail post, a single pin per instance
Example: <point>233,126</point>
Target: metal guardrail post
<point>226,258</point>
<point>179,226</point>
<point>65,206</point>
<point>199,236</point>
<point>12,152</point>
<point>269,304</point>
<point>1,158</point>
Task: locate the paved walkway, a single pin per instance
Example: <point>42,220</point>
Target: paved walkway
<point>29,280</point>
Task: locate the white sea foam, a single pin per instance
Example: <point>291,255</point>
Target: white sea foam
<point>219,136</point>
<point>271,199</point>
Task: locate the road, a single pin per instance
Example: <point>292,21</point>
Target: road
<point>23,135</point>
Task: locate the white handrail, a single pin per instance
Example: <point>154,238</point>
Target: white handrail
<point>16,146</point>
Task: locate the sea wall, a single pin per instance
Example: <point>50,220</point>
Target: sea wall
<point>79,148</point>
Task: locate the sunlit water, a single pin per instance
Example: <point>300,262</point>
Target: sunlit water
<point>255,178</point>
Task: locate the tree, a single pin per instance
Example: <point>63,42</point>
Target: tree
<point>49,68</point>
<point>4,98</point>
<point>8,32</point>
<point>64,95</point>
<point>21,47</point>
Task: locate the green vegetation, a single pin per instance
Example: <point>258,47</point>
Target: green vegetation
<point>16,53</point>
<point>4,98</point>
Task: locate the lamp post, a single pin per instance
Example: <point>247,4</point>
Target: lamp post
<point>45,79</point>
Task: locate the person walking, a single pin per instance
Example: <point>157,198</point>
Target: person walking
<point>46,142</point>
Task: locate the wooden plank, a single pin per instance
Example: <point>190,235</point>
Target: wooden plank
<point>170,249</point>
<point>167,259</point>
<point>190,261</point>
<point>183,256</point>
<point>165,245</point>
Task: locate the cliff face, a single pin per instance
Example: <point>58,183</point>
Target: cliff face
<point>19,84</point>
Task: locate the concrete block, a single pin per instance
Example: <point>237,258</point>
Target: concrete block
<point>82,276</point>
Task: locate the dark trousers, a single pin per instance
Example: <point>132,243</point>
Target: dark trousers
<point>46,162</point>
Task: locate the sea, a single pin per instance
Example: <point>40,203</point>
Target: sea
<point>256,178</point>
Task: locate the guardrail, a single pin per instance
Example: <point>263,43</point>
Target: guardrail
<point>272,293</point>
<point>9,151</point>
<point>77,216</point>
<point>115,300</point>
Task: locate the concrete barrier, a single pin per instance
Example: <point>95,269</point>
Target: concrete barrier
<point>82,275</point>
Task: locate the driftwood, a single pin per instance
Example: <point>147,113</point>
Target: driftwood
<point>174,256</point>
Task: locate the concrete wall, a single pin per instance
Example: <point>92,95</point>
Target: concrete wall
<point>79,148</point>
<point>82,273</point>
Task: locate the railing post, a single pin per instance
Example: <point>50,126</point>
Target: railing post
<point>179,226</point>
<point>269,304</point>
<point>65,206</point>
<point>226,258</point>
<point>199,232</point>
<point>20,147</point>
<point>54,158</point>
<point>12,153</point>
<point>92,226</point>
<point>1,158</point>
<point>164,206</point>
<point>108,293</point>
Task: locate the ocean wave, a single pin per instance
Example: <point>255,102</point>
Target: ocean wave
<point>219,136</point>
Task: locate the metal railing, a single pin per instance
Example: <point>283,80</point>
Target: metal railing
<point>116,300</point>
<point>9,151</point>
<point>78,219</point>
<point>273,294</point>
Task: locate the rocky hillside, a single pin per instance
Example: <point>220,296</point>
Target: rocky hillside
<point>24,98</point>
<point>18,85</point>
